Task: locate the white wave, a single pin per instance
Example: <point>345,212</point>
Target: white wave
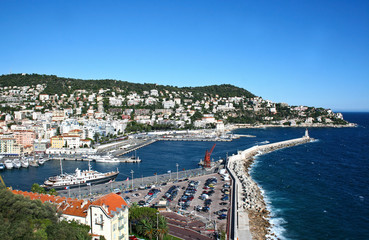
<point>276,230</point>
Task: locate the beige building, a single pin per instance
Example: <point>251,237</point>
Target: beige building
<point>9,146</point>
<point>58,115</point>
<point>57,142</point>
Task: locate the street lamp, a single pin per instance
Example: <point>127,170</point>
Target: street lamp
<point>157,225</point>
<point>177,170</point>
<point>132,178</point>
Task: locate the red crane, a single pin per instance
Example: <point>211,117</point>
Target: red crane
<point>207,157</point>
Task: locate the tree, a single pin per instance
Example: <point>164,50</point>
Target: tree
<point>37,189</point>
<point>96,136</point>
<point>197,115</point>
<point>58,131</point>
<point>144,221</point>
<point>145,228</point>
<point>52,192</point>
<point>22,218</point>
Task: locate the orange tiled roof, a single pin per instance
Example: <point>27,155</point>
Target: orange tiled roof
<point>77,207</point>
<point>112,201</point>
<point>75,130</point>
<point>67,206</point>
<point>67,135</point>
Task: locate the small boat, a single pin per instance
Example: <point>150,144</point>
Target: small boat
<point>8,164</point>
<point>41,161</point>
<point>2,166</point>
<point>33,163</point>
<point>107,159</point>
<point>133,159</point>
<point>25,163</point>
<point>17,163</point>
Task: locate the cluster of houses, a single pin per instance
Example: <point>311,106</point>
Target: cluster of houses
<point>32,121</point>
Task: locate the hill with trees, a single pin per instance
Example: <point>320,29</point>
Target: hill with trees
<point>60,85</point>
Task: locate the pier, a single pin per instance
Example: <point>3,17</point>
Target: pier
<point>246,195</point>
<point>133,148</point>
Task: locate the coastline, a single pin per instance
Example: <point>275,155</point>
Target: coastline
<point>231,127</point>
<point>249,196</point>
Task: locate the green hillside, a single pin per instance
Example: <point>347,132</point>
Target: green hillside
<point>60,85</point>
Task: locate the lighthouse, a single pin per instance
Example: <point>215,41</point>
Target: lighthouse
<point>306,133</point>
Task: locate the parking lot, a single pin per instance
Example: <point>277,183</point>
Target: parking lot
<point>203,200</point>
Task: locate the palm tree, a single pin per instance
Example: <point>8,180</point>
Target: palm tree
<point>162,228</point>
<point>145,228</point>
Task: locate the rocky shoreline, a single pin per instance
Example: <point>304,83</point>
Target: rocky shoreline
<point>252,200</point>
<point>250,197</point>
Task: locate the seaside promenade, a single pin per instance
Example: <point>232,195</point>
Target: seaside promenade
<point>246,196</point>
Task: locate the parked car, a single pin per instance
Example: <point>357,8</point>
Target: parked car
<point>225,198</point>
<point>116,190</point>
<point>222,216</point>
<point>198,208</point>
<point>205,209</point>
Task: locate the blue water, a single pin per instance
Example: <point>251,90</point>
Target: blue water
<point>318,190</point>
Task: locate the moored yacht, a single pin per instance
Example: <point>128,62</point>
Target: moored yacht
<point>79,178</point>
<point>33,163</point>
<point>107,159</point>
<point>8,164</point>
<point>41,161</point>
<point>2,166</point>
<point>17,163</point>
<point>25,163</point>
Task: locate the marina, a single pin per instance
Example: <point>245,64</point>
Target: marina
<point>310,159</point>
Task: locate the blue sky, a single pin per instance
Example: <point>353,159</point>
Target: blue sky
<point>313,53</point>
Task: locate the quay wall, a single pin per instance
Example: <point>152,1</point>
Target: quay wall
<point>248,199</point>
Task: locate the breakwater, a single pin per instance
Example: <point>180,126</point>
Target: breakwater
<point>249,212</point>
<point>134,148</point>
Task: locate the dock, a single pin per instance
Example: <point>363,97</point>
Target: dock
<point>133,148</point>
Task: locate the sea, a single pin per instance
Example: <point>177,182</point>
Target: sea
<point>319,190</point>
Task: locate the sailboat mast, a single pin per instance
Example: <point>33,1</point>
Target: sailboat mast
<point>61,166</point>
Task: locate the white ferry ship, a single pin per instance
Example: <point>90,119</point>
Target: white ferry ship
<point>79,178</point>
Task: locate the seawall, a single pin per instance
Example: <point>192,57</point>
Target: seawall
<point>249,212</point>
